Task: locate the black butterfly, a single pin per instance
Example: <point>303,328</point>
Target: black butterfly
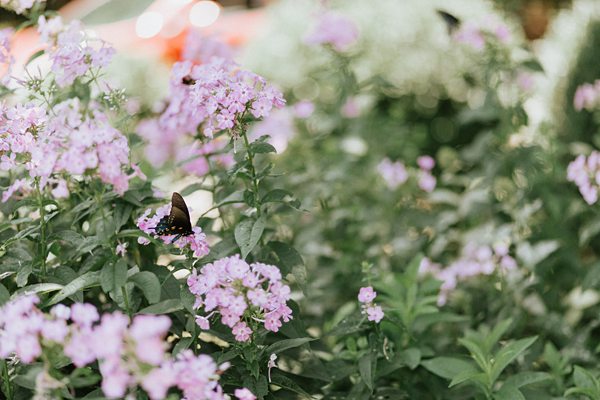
<point>452,22</point>
<point>177,222</point>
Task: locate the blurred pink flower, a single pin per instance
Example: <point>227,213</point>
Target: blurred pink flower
<point>393,173</point>
<point>244,394</point>
<point>333,29</point>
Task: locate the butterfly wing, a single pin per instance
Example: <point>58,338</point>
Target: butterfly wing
<point>452,22</point>
<point>178,220</point>
<point>178,202</point>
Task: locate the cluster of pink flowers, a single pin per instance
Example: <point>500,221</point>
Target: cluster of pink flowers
<point>587,96</point>
<point>214,96</point>
<point>240,292</point>
<point>426,180</point>
<point>333,29</point>
<point>67,141</point>
<point>585,173</point>
<point>20,6</point>
<point>366,295</point>
<point>475,35</point>
<point>475,260</point>
<point>70,50</point>
<point>395,173</point>
<point>129,354</point>
<point>196,241</point>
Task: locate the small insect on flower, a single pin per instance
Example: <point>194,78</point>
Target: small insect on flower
<point>177,222</point>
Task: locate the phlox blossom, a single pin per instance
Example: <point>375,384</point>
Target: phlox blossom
<point>334,29</point>
<point>366,295</point>
<point>239,292</point>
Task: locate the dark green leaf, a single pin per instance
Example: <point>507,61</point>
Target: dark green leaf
<point>262,147</point>
<point>113,275</point>
<point>164,307</point>
<point>86,280</point>
<point>286,344</point>
<point>247,234</point>
<point>447,367</point>
<point>149,284</point>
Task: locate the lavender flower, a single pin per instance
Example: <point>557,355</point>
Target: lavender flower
<point>585,173</point>
<point>333,29</point>
<point>129,354</point>
<point>366,295</point>
<point>240,292</point>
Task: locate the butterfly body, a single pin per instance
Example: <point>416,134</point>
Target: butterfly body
<point>177,222</point>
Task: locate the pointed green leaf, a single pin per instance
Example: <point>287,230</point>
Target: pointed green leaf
<point>113,275</point>
<point>149,284</point>
<point>247,234</point>
<point>86,280</point>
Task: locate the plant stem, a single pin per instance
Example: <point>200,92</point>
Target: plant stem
<point>7,389</point>
<point>43,246</point>
<point>252,169</point>
<point>126,300</point>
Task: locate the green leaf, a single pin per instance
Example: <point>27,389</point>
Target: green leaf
<point>262,147</point>
<point>533,65</point>
<point>277,196</point>
<point>279,379</point>
<point>164,307</point>
<point>466,376</point>
<point>113,275</point>
<point>182,344</point>
<point>288,257</point>
<point>447,367</point>
<point>476,352</point>
<point>508,392</point>
<point>286,344</point>
<point>86,280</point>
<point>187,298</point>
<point>527,378</point>
<point>121,215</point>
<point>38,288</point>
<point>23,275</point>
<point>411,357</point>
<point>508,354</point>
<point>4,294</point>
<point>189,189</point>
<point>116,10</point>
<point>149,285</point>
<point>584,379</point>
<point>247,234</point>
<point>498,331</point>
<point>366,370</point>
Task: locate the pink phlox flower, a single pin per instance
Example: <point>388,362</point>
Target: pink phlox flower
<point>335,29</point>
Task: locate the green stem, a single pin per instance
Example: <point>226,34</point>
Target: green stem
<point>251,169</point>
<point>43,245</point>
<point>7,390</point>
<point>126,300</point>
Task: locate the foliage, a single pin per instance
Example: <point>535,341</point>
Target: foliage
<point>372,236</point>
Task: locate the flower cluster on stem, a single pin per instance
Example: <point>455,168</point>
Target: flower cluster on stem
<point>585,173</point>
<point>366,297</point>
<point>240,293</point>
<point>130,354</point>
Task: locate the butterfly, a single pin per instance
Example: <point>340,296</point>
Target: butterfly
<point>452,22</point>
<point>177,222</point>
